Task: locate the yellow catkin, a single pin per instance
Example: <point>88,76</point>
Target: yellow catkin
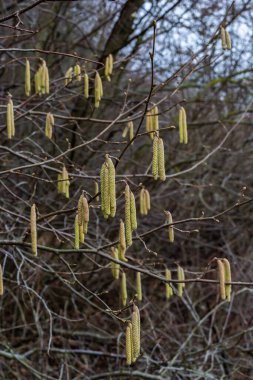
<point>33,226</point>
<point>65,182</point>
<point>1,281</point>
<point>47,90</point>
<point>123,289</point>
<point>86,214</point>
<point>185,129</point>
<point>161,160</point>
<point>221,275</point>
<point>154,121</point>
<point>96,191</point>
<point>148,123</point>
<point>181,126</point>
<point>86,85</point>
<point>171,229</point>
<point>155,158</point>
<point>228,40</point>
<point>228,279</point>
<point>125,132</point>
<point>27,78</point>
<point>128,225</point>
<point>143,208</point>
<point>147,200</point>
<point>168,287</point>
<point>104,183</point>
<point>98,89</point>
<point>77,72</point>
<point>133,212</point>
<point>81,234</point>
<point>115,267</point>
<point>68,76</point>
<point>180,277</point>
<point>135,335</point>
<point>122,241</point>
<point>37,81</point>
<point>129,344</point>
<point>42,79</point>
<point>136,332</point>
<point>223,38</point>
<point>112,186</point>
<point>138,286</point>
<point>10,119</point>
<point>76,232</point>
<point>59,183</point>
<point>110,58</point>
<point>49,125</point>
<point>107,69</point>
<point>80,210</point>
<point>105,195</point>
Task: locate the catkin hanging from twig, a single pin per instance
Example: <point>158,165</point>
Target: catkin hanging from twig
<point>42,79</point>
<point>122,241</point>
<point>225,39</point>
<point>129,344</point>
<point>68,76</point>
<point>63,182</point>
<point>183,131</point>
<point>221,276</point>
<point>77,232</point>
<point>161,160</point>
<point>98,89</point>
<point>108,188</point>
<point>128,225</point>
<point>168,287</point>
<point>108,67</point>
<point>33,227</point>
<point>86,85</point>
<point>27,78</point>
<point>228,279</point>
<point>138,286</point>
<point>10,118</point>
<point>181,278</point>
<point>114,266</point>
<point>49,125</point>
<point>77,72</point>
<point>123,289</point>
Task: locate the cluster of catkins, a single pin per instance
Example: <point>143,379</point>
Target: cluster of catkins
<point>108,191</point>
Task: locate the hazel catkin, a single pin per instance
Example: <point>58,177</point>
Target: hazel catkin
<point>228,279</point>
<point>27,78</point>
<point>129,344</point>
<point>33,227</point>
<point>49,125</point>
<point>168,287</point>
<point>221,276</point>
<point>10,118</point>
<point>86,85</point>
<point>123,289</point>
<point>122,241</point>
<point>128,225</point>
<point>114,266</point>
<point>76,232</point>
<point>138,286</point>
<point>181,278</point>
<point>155,158</point>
